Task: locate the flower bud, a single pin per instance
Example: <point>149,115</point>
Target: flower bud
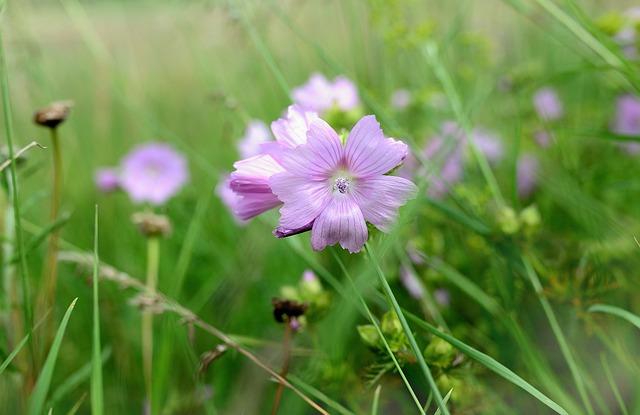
<point>369,335</point>
<point>390,324</point>
<point>53,115</point>
<point>286,310</point>
<point>530,216</point>
<point>439,353</point>
<point>152,225</point>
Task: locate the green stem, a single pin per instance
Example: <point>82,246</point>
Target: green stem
<point>286,351</point>
<point>51,264</point>
<point>153,258</point>
<point>407,330</point>
<point>13,186</point>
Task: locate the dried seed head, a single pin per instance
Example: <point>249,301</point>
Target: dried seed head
<point>286,310</point>
<point>151,225</point>
<point>53,114</point>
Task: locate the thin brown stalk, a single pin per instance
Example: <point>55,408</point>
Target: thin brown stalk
<point>286,350</point>
<point>109,273</point>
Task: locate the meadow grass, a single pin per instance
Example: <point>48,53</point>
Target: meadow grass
<point>539,320</point>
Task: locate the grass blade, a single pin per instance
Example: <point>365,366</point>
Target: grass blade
<point>305,387</point>
<point>376,401</point>
<point>612,383</point>
<point>39,395</point>
<point>490,363</point>
<point>14,353</point>
<point>616,311</point>
<point>557,331</point>
<point>97,399</point>
<point>407,331</point>
<point>446,399</point>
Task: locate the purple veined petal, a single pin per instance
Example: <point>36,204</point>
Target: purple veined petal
<point>340,222</point>
<point>256,133</point>
<point>411,283</point>
<point>291,130</point>
<point>252,174</point>
<point>400,99</point>
<point>489,144</point>
<point>228,197</point>
<point>303,199</point>
<point>527,174</point>
<point>345,93</point>
<point>380,197</point>
<point>547,104</point>
<point>107,179</point>
<point>319,158</point>
<point>250,205</point>
<point>369,153</point>
<point>282,232</point>
<point>153,173</point>
<point>316,95</point>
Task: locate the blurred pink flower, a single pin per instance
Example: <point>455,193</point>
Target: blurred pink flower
<point>627,35</point>
<point>107,179</point>
<point>400,99</point>
<point>319,94</point>
<point>442,296</point>
<point>547,104</point>
<point>411,282</point>
<point>153,173</point>
<point>627,121</point>
<point>340,187</point>
<point>255,135</point>
<point>543,138</point>
<point>527,174</point>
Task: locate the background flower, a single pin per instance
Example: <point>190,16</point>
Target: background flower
<point>255,135</point>
<point>547,104</point>
<point>627,121</point>
<point>153,173</point>
<point>107,179</point>
<point>319,94</point>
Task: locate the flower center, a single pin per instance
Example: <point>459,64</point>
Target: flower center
<point>342,184</point>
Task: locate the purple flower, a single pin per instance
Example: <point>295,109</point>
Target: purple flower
<point>256,133</point>
<point>340,187</point>
<point>527,174</point>
<point>442,296</point>
<point>489,144</point>
<point>153,173</point>
<point>107,179</point>
<point>547,104</point>
<point>411,282</point>
<point>250,180</point>
<point>319,94</point>
<point>543,138</point>
<point>228,196</point>
<point>400,99</point>
<point>627,121</point>
<point>627,35</point>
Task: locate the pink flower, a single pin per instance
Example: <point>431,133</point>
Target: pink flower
<point>228,196</point>
<point>255,135</point>
<point>527,174</point>
<point>319,94</point>
<point>338,188</point>
<point>547,104</point>
<point>107,179</point>
<point>627,121</point>
<point>400,99</point>
<point>250,180</point>
<point>153,173</point>
<point>411,282</point>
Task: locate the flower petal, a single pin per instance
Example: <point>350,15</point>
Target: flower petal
<point>319,157</point>
<point>341,221</point>
<point>291,130</point>
<point>369,153</point>
<point>252,174</point>
<point>380,197</point>
<point>303,199</point>
<point>250,205</point>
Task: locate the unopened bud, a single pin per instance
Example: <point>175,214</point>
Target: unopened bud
<point>286,310</point>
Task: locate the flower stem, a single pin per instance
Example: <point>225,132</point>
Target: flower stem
<point>153,257</point>
<point>407,331</point>
<point>50,275</point>
<point>286,350</point>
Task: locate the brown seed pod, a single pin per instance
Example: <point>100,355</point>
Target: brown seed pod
<point>285,310</point>
<point>54,114</point>
<point>151,225</point>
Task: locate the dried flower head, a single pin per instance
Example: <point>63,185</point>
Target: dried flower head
<point>54,114</point>
<point>286,310</point>
<point>152,225</point>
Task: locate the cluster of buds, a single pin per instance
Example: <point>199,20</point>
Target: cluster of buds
<point>510,222</point>
<point>308,291</point>
<point>396,339</point>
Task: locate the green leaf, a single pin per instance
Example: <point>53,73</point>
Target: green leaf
<point>39,394</point>
<point>14,353</point>
<point>616,311</point>
<point>97,398</point>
